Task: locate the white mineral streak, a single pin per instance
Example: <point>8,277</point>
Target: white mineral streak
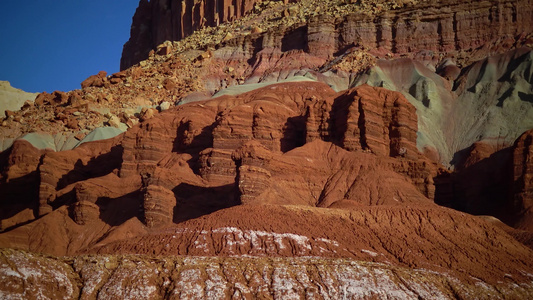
<point>215,284</point>
<point>131,280</point>
<point>258,242</point>
<point>24,269</point>
<point>28,276</point>
<point>189,285</point>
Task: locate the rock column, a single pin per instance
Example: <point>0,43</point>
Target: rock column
<point>158,206</point>
<point>85,209</point>
<point>253,175</point>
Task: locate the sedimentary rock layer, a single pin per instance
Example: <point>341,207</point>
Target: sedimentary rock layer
<point>427,29</point>
<point>159,20</point>
<point>109,277</point>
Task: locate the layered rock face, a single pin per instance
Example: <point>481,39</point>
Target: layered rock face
<point>336,158</point>
<point>157,21</point>
<point>168,153</point>
<point>19,177</point>
<point>297,129</point>
<point>492,180</point>
<point>425,29</point>
<point>222,278</point>
<point>245,143</point>
<point>446,108</point>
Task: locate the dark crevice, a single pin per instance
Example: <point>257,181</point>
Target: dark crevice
<point>361,124</point>
<point>295,40</point>
<point>96,167</point>
<point>195,201</point>
<point>184,144</point>
<point>481,188</point>
<point>294,132</point>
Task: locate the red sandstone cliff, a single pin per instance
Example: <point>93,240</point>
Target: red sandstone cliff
<point>159,20</point>
<point>426,29</point>
<point>262,180</point>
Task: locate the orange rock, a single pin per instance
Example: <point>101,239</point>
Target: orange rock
<point>98,80</point>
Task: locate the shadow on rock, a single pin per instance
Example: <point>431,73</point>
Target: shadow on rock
<point>195,201</point>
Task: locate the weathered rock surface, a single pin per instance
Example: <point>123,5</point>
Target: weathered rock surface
<point>225,278</point>
<point>19,183</point>
<point>245,174</point>
<point>206,147</point>
<point>484,103</point>
<point>442,241</point>
<point>157,21</point>
<point>98,80</point>
<point>491,180</point>
<point>158,206</point>
<point>432,27</point>
<point>312,172</point>
<point>288,46</point>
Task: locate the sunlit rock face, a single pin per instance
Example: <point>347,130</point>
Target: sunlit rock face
<point>321,149</point>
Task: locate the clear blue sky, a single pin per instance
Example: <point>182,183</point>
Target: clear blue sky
<point>48,45</point>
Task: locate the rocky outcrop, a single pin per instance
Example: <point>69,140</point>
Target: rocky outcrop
<point>253,175</point>
<point>98,80</point>
<point>60,170</point>
<point>105,277</point>
<point>491,180</point>
<point>158,206</point>
<point>427,29</point>
<point>85,212</point>
<point>445,108</point>
<point>264,174</point>
<point>376,120</point>
<point>243,144</point>
<point>159,20</point>
<point>19,183</point>
<point>205,156</point>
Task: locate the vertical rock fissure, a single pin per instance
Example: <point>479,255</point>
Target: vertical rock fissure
<point>455,37</point>
<point>361,124</point>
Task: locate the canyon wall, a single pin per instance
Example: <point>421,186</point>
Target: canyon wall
<point>159,20</point>
<point>428,29</point>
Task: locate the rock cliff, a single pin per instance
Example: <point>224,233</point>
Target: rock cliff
<point>239,175</point>
<point>157,21</point>
<point>425,29</point>
<point>522,180</point>
<point>326,135</point>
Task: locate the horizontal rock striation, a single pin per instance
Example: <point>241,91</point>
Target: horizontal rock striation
<point>255,148</point>
<point>427,29</point>
<point>110,277</point>
<point>159,20</point>
<point>241,141</point>
<point>158,206</point>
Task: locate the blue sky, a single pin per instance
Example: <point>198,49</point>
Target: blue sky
<point>50,45</point>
